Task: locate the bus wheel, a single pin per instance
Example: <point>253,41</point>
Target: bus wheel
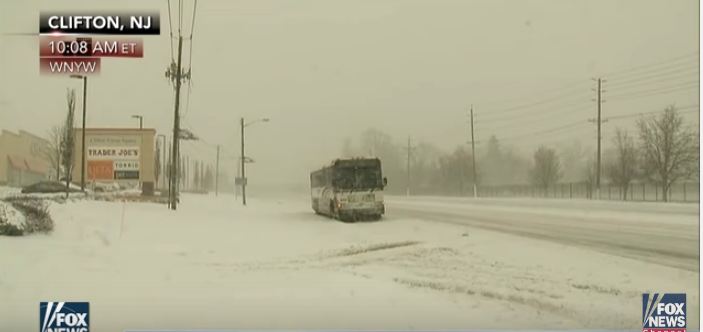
<point>333,213</point>
<point>350,217</point>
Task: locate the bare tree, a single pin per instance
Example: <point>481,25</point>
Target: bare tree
<point>53,149</point>
<point>670,149</point>
<point>455,174</point>
<point>621,168</point>
<point>67,143</point>
<point>589,176</point>
<point>547,170</point>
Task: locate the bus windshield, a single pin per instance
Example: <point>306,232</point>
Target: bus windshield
<point>358,177</point>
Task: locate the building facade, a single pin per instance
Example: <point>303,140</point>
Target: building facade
<point>23,159</point>
<point>116,155</point>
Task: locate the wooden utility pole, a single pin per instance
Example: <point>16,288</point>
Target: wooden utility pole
<point>243,179</point>
<point>164,163</point>
<point>407,186</point>
<point>599,122</point>
<point>85,97</point>
<point>473,152</point>
<point>173,192</point>
<point>217,170</point>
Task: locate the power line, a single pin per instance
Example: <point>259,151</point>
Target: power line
<point>628,71</point>
<point>548,131</point>
<point>540,112</point>
<point>564,96</point>
<point>535,120</point>
<point>683,109</point>
<point>662,70</point>
<point>583,122</point>
<point>180,16</point>
<point>565,87</point>
<point>651,92</point>
<point>654,75</point>
<point>190,60</point>
<point>653,80</point>
<point>170,28</point>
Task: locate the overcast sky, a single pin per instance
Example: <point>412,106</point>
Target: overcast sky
<point>326,70</point>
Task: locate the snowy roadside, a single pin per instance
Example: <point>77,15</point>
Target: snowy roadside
<point>274,264</point>
<point>9,215</point>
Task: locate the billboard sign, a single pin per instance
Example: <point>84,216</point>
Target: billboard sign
<point>113,157</point>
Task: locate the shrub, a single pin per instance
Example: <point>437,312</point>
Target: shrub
<point>36,213</point>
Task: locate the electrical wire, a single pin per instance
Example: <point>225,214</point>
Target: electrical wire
<point>538,112</point>
<point>683,109</point>
<point>560,97</point>
<point>664,80</point>
<point>170,28</point>
<point>680,71</point>
<point>651,92</point>
<point>569,86</point>
<point>629,71</point>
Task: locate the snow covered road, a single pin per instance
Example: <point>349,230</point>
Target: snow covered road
<point>662,233</point>
<point>275,264</point>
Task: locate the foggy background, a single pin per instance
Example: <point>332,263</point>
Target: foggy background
<point>327,71</point>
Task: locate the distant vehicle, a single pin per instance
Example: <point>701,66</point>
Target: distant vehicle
<point>47,187</point>
<point>349,189</point>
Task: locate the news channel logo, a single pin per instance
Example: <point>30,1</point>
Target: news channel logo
<point>664,312</point>
<point>64,317</point>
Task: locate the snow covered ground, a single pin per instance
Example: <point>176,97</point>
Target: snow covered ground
<point>664,233</point>
<point>274,264</point>
<point>10,215</point>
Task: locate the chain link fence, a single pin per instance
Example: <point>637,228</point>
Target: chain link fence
<point>679,192</point>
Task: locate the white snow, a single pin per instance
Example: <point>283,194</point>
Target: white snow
<point>11,216</point>
<point>274,264</point>
<point>8,191</point>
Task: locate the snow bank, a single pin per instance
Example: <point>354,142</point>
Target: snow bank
<point>10,215</point>
<point>8,191</point>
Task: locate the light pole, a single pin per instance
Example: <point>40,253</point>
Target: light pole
<point>163,160</point>
<point>85,93</point>
<point>141,121</point>
<point>243,156</point>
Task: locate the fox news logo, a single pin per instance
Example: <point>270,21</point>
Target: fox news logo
<point>63,317</point>
<point>664,312</point>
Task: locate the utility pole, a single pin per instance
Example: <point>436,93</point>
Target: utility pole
<point>243,178</point>
<point>599,121</point>
<point>473,152</point>
<point>168,174</point>
<point>173,192</point>
<point>217,170</point>
<point>186,173</point>
<point>238,174</point>
<point>164,163</point>
<point>407,186</point>
<point>599,139</point>
<point>202,176</point>
<point>85,94</point>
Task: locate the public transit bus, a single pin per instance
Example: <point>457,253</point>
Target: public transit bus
<point>349,189</point>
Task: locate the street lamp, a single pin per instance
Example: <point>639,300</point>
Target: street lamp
<point>141,121</point>
<point>160,169</point>
<point>244,158</point>
<point>85,92</point>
